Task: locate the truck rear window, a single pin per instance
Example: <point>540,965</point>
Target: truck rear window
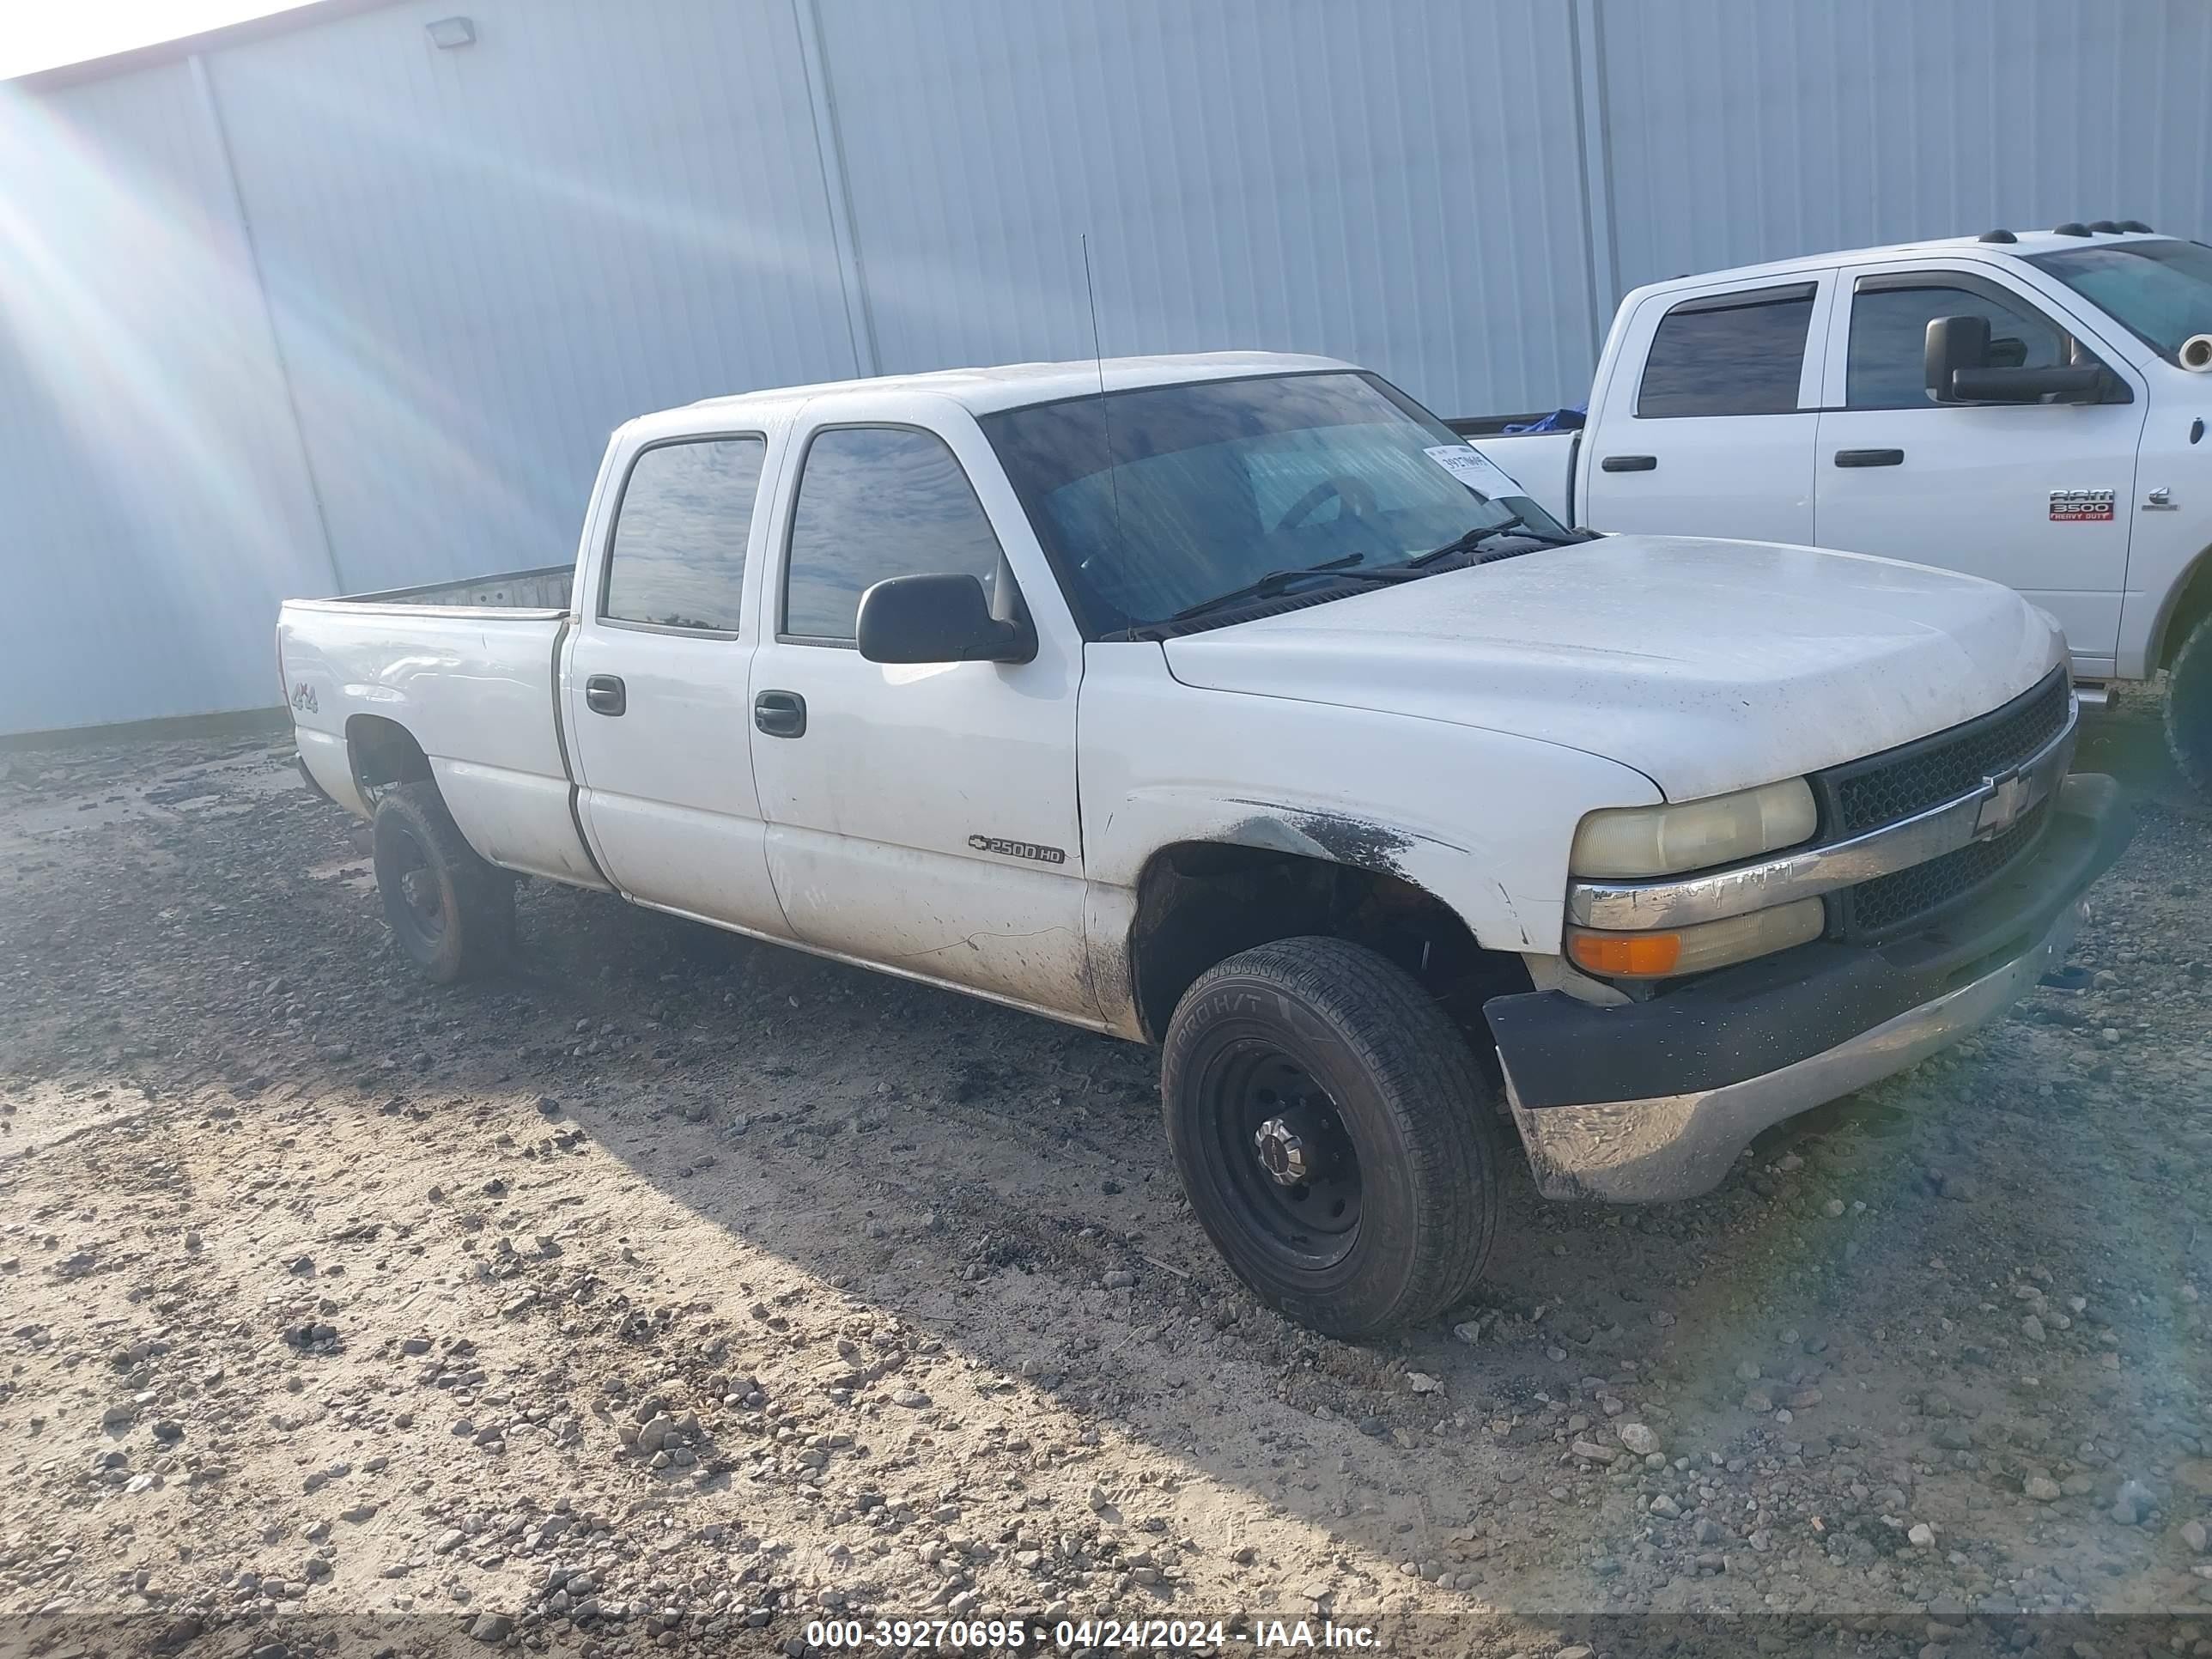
<point>1739,354</point>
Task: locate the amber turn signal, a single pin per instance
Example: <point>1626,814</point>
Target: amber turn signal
<point>1693,950</point>
<point>1642,956</point>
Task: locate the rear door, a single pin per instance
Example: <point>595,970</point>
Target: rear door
<point>2035,496</point>
<point>1712,435</point>
<point>658,711</point>
<point>920,816</point>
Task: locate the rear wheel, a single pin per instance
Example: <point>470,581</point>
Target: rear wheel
<point>2189,707</point>
<point>1334,1133</point>
<point>452,913</point>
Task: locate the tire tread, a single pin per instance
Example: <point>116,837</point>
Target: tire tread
<point>2187,717</point>
<point>1427,1078</point>
<point>482,925</point>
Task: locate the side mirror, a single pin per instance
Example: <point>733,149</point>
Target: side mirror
<point>938,618</point>
<point>2028,385</point>
<point>1954,345</point>
<point>1956,363</point>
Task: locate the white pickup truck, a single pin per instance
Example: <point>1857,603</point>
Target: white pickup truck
<point>2029,407</point>
<point>1230,703</point>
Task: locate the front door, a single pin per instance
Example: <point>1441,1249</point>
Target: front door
<point>920,816</point>
<point>656,684</point>
<point>2038,496</point>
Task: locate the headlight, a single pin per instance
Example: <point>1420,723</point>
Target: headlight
<point>1694,949</point>
<point>1694,835</point>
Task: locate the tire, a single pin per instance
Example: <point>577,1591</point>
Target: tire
<point>1323,1047</point>
<point>451,913</point>
<point>2189,707</point>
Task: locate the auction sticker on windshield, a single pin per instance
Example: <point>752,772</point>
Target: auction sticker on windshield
<point>1474,469</point>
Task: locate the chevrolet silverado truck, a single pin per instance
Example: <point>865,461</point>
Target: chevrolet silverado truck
<point>1230,703</point>
<point>2026,406</point>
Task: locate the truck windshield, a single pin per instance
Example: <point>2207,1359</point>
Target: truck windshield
<point>2160,291</point>
<point>1219,486</point>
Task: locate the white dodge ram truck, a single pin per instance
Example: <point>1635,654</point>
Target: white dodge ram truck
<point>1231,703</point>
<point>2029,407</point>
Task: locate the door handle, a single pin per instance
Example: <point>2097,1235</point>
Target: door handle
<point>1628,464</point>
<point>781,713</point>
<point>1870,458</point>
<point>604,694</point>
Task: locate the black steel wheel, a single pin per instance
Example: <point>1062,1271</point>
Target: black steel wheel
<point>452,913</point>
<point>1294,1169</point>
<point>1334,1134</point>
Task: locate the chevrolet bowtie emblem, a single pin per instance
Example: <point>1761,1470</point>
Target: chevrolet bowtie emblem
<point>2009,796</point>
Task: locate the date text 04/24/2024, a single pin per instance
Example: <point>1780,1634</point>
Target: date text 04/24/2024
<point>1133,1635</point>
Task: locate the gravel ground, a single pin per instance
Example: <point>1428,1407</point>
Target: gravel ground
<point>676,1291</point>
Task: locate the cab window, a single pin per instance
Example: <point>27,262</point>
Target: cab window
<point>677,559</point>
<point>1733,354</point>
<point>1885,364</point>
<point>876,502</point>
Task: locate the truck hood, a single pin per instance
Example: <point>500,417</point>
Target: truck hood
<point>1708,666</point>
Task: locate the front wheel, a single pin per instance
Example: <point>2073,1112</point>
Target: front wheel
<point>1332,1132</point>
<point>452,913</point>
<point>2189,707</point>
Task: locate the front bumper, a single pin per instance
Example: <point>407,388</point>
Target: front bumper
<point>1653,1101</point>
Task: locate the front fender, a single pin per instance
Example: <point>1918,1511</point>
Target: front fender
<point>1483,820</point>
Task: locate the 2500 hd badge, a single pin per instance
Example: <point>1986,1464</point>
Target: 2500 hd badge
<point>1018,849</point>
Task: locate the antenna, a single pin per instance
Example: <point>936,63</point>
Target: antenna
<point>1105,408</point>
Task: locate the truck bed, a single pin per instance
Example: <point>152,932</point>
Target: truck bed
<point>545,588</point>
<point>467,671</point>
<point>1541,462</point>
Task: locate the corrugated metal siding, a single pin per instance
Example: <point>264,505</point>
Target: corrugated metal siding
<point>484,260</point>
<point>152,508</point>
<point>1747,130</point>
<point>1291,174</point>
<point>460,269</point>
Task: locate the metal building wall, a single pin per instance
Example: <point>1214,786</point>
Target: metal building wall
<point>481,261</point>
<point>329,308</point>
<point>153,507</point>
<point>1286,175</point>
<point>1737,130</point>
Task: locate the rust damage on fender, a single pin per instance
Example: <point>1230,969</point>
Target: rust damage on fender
<point>1284,872</point>
<point>1339,837</point>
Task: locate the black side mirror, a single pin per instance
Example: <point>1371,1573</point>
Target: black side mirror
<point>1953,344</point>
<point>939,618</point>
<point>1956,361</point>
<point>2028,385</point>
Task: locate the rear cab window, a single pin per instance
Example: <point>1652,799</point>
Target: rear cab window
<point>1740,353</point>
<point>676,559</point>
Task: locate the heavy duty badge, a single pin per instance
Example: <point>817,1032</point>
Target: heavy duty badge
<point>2081,505</point>
<point>1018,849</point>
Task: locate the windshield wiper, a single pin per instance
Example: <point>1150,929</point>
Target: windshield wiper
<point>1276,581</point>
<point>1467,541</point>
